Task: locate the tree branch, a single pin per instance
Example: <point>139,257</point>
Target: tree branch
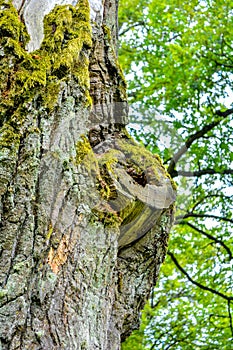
<point>141,23</point>
<point>201,286</point>
<point>221,64</point>
<point>201,200</point>
<point>208,235</point>
<point>197,135</point>
<point>195,215</point>
<point>225,113</point>
<point>201,172</point>
<point>216,315</point>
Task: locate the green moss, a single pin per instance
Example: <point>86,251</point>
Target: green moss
<point>8,137</point>
<point>39,334</point>
<point>105,184</point>
<point>107,33</point>
<point>10,26</point>
<point>101,168</point>
<point>108,159</point>
<point>25,76</point>
<point>136,152</point>
<point>49,233</point>
<point>83,148</point>
<point>140,164</point>
<point>173,183</point>
<point>141,159</point>
<point>105,214</point>
<point>67,40</point>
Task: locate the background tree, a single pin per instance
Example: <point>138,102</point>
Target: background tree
<point>85,211</point>
<point>178,61</point>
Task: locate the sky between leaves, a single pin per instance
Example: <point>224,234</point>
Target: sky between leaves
<point>178,60</point>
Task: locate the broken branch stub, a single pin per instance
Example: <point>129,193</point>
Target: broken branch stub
<point>137,187</point>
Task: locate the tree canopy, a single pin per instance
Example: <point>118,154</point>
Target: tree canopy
<point>177,57</point>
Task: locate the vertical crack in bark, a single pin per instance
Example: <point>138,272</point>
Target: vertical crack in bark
<point>50,330</point>
<point>10,187</point>
<point>34,262</point>
<point>94,297</point>
<point>14,249</point>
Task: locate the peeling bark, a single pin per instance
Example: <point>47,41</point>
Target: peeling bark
<point>84,223</point>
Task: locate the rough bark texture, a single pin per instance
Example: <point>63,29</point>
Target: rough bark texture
<point>85,211</point>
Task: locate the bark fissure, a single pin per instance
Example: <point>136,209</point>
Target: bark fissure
<point>84,224</point>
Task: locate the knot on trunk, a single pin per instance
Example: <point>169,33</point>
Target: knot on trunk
<point>134,187</point>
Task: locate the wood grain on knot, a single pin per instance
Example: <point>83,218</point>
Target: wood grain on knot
<point>142,187</point>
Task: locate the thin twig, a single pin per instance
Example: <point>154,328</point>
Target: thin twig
<point>197,135</point>
<point>201,286</point>
<point>208,235</point>
<point>202,172</point>
<point>132,26</point>
<point>196,215</point>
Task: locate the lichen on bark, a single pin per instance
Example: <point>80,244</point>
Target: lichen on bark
<point>134,187</point>
<point>78,255</point>
<point>37,76</point>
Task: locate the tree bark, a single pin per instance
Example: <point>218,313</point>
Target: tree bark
<point>85,211</point>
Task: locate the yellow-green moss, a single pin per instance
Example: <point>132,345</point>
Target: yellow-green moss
<point>141,159</point>
<point>8,137</point>
<point>63,53</point>
<point>136,152</point>
<point>67,40</point>
<point>37,76</point>
<point>100,167</point>
<point>173,183</point>
<point>10,25</point>
<point>105,214</point>
<point>49,233</point>
<point>140,150</point>
<point>136,158</point>
<point>108,159</point>
<point>105,185</point>
<point>132,211</point>
<point>83,148</point>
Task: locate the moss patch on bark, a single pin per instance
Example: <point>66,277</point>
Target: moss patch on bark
<point>63,54</point>
<point>119,205</point>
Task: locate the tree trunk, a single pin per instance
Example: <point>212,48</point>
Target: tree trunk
<point>85,211</point>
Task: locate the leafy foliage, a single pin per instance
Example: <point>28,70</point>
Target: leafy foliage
<point>177,57</point>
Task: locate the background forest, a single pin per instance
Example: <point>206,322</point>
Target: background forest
<point>178,61</point>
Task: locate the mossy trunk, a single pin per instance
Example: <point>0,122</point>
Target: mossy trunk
<point>85,211</point>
